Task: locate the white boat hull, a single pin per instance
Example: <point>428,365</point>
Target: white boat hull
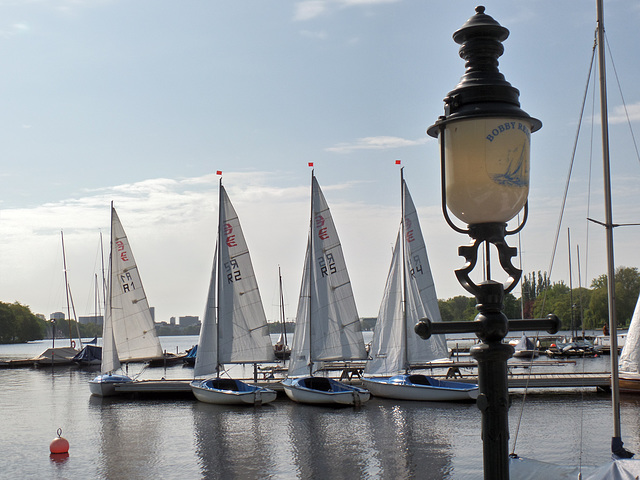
<point>326,391</point>
<point>105,385</point>
<point>629,382</point>
<point>400,387</point>
<point>231,392</point>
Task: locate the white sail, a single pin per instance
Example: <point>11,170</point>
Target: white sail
<point>388,345</point>
<point>110,361</point>
<point>242,333</point>
<point>132,333</point>
<point>409,295</point>
<point>630,356</point>
<point>207,356</point>
<point>327,322</point>
<point>426,304</point>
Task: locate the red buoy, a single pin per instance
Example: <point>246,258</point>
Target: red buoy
<point>59,444</point>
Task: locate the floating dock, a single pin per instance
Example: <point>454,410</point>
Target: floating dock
<point>595,380</point>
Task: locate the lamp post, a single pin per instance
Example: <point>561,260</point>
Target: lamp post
<point>484,140</point>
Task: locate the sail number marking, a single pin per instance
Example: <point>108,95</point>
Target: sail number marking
<point>327,264</point>
<point>232,269</point>
<point>126,281</point>
<point>416,266</point>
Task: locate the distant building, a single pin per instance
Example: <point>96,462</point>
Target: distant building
<point>95,319</point>
<point>172,321</point>
<point>57,316</point>
<point>189,321</point>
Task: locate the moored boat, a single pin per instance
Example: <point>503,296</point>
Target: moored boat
<point>234,329</point>
<point>629,366</point>
<point>409,296</point>
<point>227,391</point>
<point>128,331</point>
<point>327,322</point>
<point>324,391</point>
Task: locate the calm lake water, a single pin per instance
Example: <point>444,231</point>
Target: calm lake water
<point>142,438</point>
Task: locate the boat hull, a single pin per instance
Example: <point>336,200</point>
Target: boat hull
<point>407,387</point>
<point>629,382</point>
<point>105,385</point>
<point>231,392</point>
<point>324,391</point>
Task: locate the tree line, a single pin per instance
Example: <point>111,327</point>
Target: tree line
<point>577,309</point>
<point>18,324</point>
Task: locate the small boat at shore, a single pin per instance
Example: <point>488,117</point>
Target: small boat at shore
<point>57,356</point>
<point>525,348</point>
<point>327,322</point>
<point>128,333</point>
<point>234,329</point>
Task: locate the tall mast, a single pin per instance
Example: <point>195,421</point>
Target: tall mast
<point>66,286</point>
<point>403,301</point>
<point>616,440</point>
<point>104,281</point>
<point>107,336</point>
<point>573,330</point>
<point>311,265</point>
<point>284,323</point>
<point>218,274</point>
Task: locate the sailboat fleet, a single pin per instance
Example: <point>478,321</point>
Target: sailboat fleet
<point>235,331</point>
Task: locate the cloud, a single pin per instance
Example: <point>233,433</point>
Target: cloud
<point>14,29</point>
<point>619,115</point>
<point>375,143</point>
<point>309,9</point>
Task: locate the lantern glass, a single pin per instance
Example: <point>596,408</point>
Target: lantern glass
<point>487,168</point>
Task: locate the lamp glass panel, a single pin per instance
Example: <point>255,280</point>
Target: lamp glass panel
<point>487,168</point>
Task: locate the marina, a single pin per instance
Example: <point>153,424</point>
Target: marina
<point>145,435</point>
<point>600,381</point>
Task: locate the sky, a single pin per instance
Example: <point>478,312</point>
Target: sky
<point>140,103</point>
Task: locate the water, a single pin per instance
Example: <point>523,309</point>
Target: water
<point>143,438</point>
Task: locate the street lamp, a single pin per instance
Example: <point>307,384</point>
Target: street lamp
<point>484,140</point>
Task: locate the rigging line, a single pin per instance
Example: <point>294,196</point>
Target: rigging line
<point>624,104</point>
<point>526,388</point>
<point>564,201</point>
<point>593,107</point>
<point>573,156</point>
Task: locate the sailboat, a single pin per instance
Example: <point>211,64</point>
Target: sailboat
<point>409,295</point>
<point>281,347</point>
<point>629,368</point>
<point>128,330</point>
<point>622,465</point>
<point>327,322</point>
<point>524,347</point>
<point>91,354</point>
<point>57,356</point>
<point>234,329</point>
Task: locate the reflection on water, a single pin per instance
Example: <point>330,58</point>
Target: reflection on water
<point>288,440</point>
<point>141,438</point>
<point>234,442</point>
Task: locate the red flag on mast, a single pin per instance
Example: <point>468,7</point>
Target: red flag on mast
<point>311,164</point>
<point>219,172</point>
<point>398,162</point>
